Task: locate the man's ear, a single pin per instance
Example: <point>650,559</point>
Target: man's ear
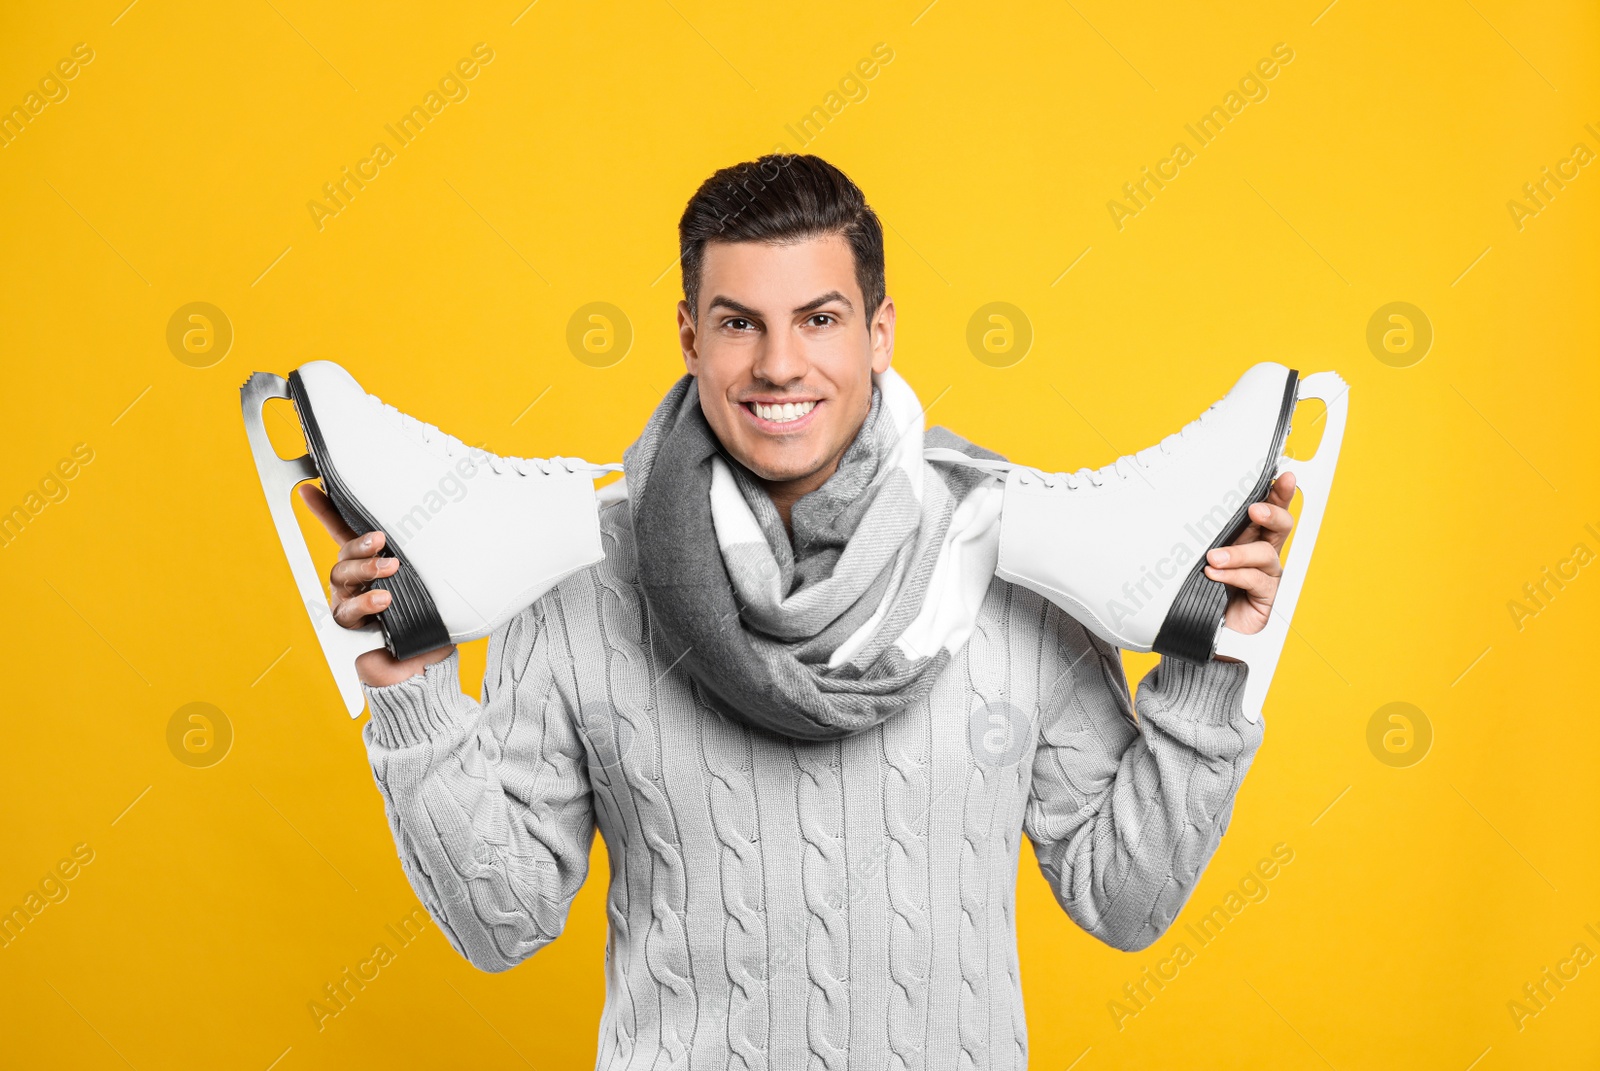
<point>686,339</point>
<point>882,332</point>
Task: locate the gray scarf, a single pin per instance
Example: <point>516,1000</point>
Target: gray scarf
<point>848,624</point>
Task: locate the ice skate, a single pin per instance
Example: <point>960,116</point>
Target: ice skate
<point>479,536</point>
<point>1123,548</point>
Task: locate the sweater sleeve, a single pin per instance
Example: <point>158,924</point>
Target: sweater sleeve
<point>489,802</point>
<point>1124,815</point>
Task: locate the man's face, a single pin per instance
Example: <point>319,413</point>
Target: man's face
<point>784,354</point>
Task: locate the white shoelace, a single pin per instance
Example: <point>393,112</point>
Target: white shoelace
<point>451,446</point>
<point>1123,468</point>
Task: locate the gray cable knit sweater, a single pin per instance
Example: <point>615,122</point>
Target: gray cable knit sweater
<point>782,904</point>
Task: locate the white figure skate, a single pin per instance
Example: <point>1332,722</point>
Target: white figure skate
<point>479,537</point>
<point>1123,548</point>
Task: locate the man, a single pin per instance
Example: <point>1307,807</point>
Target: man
<point>810,751</point>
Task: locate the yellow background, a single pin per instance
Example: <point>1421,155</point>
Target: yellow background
<point>1377,170</point>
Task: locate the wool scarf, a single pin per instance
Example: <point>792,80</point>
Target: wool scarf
<point>851,620</point>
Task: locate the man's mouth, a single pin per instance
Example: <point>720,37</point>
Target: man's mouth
<point>780,413</point>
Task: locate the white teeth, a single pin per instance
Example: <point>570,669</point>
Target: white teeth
<point>782,414</point>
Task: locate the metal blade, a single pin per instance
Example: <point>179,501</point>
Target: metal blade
<point>340,645</point>
<point>1314,479</point>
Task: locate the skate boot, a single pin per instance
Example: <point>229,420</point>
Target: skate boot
<point>1123,548</point>
<point>479,537</point>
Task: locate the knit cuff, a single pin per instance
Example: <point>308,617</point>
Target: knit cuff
<point>1209,693</point>
<point>421,708</point>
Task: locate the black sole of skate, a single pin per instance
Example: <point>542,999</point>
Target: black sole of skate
<point>1190,629</point>
<point>411,625</point>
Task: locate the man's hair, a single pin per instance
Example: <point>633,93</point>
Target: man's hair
<point>781,198</point>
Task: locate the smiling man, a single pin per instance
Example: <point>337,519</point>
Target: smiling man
<point>785,388</point>
<point>810,724</point>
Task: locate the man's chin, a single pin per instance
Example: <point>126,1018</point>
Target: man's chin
<point>796,462</point>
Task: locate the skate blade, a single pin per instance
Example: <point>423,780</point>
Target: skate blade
<point>340,645</point>
<point>1314,479</point>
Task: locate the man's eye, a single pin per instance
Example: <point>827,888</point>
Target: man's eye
<point>822,319</point>
<point>738,323</point>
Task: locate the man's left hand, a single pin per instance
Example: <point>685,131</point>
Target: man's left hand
<point>1251,566</point>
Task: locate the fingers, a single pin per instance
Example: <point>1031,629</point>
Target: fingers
<point>351,574</point>
<point>1253,568</point>
<point>358,566</point>
<point>1272,523</point>
<point>359,563</point>
<point>1283,490</point>
<point>1260,555</point>
<point>353,612</point>
<point>1269,520</point>
<point>324,509</point>
<point>362,546</point>
<point>1260,586</point>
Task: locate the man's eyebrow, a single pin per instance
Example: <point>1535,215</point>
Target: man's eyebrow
<point>738,307</point>
<point>831,295</point>
<point>745,310</point>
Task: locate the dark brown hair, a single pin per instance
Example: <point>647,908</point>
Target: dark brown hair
<point>781,198</point>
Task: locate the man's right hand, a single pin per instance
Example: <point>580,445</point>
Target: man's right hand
<point>353,602</point>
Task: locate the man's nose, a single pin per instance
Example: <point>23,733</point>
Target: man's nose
<point>781,360</point>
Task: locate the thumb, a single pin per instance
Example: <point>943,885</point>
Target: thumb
<point>322,506</point>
